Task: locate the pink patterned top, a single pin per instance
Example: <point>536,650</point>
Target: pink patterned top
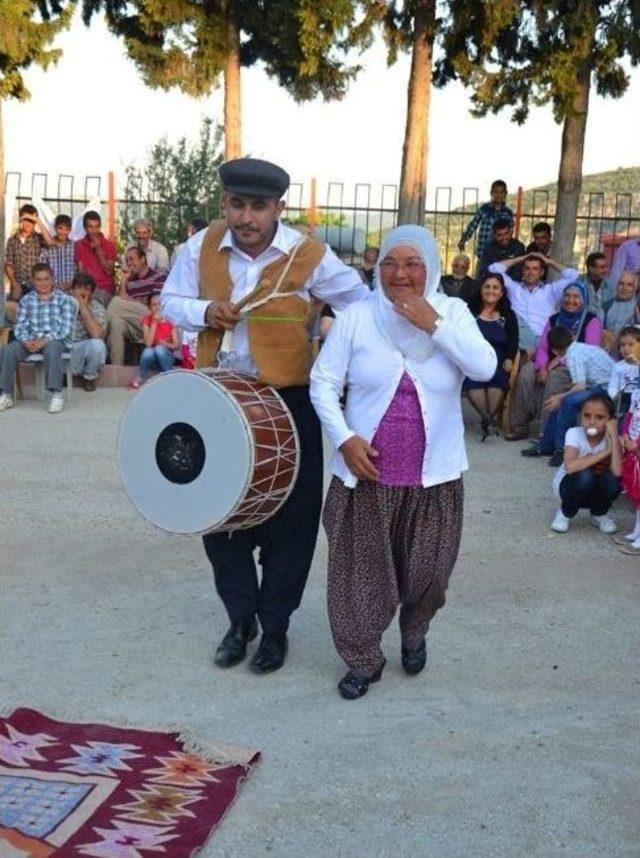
<point>400,439</point>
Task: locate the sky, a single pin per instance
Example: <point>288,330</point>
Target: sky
<point>91,113</point>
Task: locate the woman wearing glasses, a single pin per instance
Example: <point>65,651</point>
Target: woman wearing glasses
<point>393,513</point>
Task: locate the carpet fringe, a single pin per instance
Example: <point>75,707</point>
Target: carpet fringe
<point>211,751</point>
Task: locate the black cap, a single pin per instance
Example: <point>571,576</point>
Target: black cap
<point>255,177</point>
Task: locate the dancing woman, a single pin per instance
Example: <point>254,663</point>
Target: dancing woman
<point>393,514</point>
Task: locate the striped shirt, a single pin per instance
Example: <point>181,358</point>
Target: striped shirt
<point>152,282</point>
<point>483,220</point>
<point>61,258</point>
<point>51,318</point>
<point>590,365</point>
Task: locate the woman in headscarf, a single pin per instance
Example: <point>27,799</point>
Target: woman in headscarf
<point>547,375</point>
<point>393,514</point>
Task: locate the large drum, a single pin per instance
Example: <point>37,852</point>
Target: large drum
<point>207,451</point>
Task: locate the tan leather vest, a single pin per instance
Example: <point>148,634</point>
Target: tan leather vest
<point>277,318</point>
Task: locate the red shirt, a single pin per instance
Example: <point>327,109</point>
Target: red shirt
<point>164,329</point>
<point>87,261</point>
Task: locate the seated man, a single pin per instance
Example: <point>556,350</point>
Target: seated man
<point>620,309</point>
<point>458,284</point>
<point>24,249</point>
<point>156,253</point>
<point>600,288</point>
<point>533,300</point>
<point>502,246</point>
<point>590,368</point>
<point>60,253</point>
<point>96,255</point>
<point>88,350</point>
<point>125,312</point>
<point>44,324</point>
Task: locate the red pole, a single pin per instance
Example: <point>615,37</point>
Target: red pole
<point>519,198</point>
<point>111,206</point>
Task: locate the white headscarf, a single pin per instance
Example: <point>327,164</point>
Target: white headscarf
<point>409,340</point>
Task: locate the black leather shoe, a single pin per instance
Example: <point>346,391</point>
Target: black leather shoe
<point>270,655</point>
<point>233,646</point>
<point>557,459</point>
<point>534,452</point>
<point>353,685</point>
<point>414,660</point>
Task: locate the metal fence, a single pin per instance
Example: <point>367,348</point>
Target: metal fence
<point>351,217</point>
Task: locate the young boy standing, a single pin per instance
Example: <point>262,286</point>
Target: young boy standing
<point>60,253</point>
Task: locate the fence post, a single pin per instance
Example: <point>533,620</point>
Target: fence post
<point>313,208</point>
<point>519,197</point>
<point>111,205</point>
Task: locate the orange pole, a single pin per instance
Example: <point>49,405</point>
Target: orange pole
<point>111,206</point>
<point>519,199</point>
<point>313,207</point>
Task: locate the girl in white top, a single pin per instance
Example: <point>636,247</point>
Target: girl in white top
<point>590,473</point>
<point>393,513</point>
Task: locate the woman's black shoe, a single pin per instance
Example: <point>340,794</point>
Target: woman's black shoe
<point>414,660</point>
<point>353,685</point>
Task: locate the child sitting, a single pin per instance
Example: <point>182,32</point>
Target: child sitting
<point>625,378</point>
<point>160,339</point>
<point>631,474</point>
<point>590,474</point>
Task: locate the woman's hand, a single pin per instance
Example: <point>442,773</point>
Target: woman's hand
<point>418,311</point>
<point>358,454</point>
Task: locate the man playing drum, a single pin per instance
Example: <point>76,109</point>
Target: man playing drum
<point>222,285</point>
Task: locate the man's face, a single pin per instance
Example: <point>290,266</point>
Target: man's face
<point>27,225</point>
<point>143,235</point>
<point>135,262</point>
<point>43,283</point>
<point>626,286</point>
<point>62,232</point>
<point>460,267</point>
<point>597,270</point>
<point>542,241</point>
<point>531,272</point>
<point>502,236</point>
<point>252,220</point>
<point>498,195</point>
<point>82,293</point>
<point>93,228</point>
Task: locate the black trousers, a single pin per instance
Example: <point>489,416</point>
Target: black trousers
<point>286,541</point>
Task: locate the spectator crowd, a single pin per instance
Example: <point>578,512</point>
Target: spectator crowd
<point>568,343</point>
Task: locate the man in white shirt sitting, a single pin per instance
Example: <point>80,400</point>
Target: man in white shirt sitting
<point>533,300</point>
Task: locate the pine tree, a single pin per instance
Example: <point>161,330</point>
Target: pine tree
<point>27,28</point>
<point>519,53</point>
<point>191,44</point>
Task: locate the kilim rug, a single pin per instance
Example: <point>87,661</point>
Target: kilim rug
<point>92,789</point>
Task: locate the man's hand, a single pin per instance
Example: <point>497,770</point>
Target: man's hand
<point>358,454</point>
<point>34,346</point>
<point>553,402</point>
<point>542,374</point>
<point>222,316</point>
<point>461,244</point>
<point>418,311</point>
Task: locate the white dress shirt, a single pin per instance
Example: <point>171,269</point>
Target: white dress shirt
<point>332,281</point>
<point>534,306</point>
<point>357,354</point>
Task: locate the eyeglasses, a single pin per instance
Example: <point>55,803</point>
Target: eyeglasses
<point>412,266</point>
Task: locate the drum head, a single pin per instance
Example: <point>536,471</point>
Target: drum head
<point>185,452</point>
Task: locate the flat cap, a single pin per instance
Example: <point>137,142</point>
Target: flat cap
<point>255,177</point>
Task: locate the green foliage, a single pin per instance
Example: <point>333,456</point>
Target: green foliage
<point>27,27</point>
<point>322,219</point>
<point>178,183</point>
<point>523,53</point>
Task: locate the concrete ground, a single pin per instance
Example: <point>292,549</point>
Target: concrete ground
<point>520,738</point>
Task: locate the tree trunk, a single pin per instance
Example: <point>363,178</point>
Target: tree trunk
<point>570,172</point>
<point>413,177</point>
<point>232,100</point>
<point>3,242</point>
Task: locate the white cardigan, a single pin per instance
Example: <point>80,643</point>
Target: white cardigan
<point>357,354</point>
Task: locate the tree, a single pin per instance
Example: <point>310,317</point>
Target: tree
<point>518,53</point>
<point>190,44</point>
<point>179,183</point>
<point>27,28</point>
